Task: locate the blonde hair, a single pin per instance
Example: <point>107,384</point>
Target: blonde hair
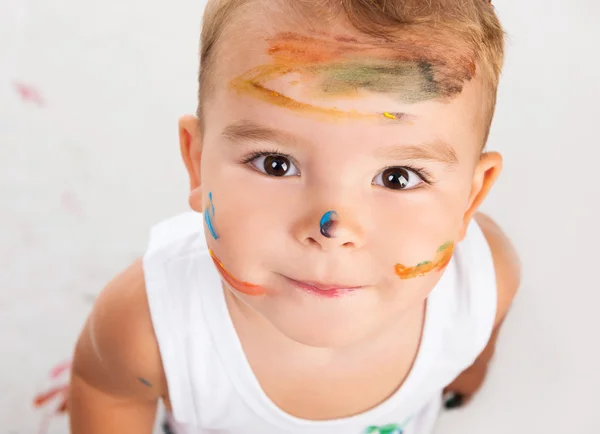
<point>471,25</point>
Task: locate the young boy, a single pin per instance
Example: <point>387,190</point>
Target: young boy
<point>334,276</point>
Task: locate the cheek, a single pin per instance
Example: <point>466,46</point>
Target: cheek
<point>410,233</point>
<point>250,213</point>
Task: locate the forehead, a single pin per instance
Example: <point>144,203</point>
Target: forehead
<point>273,68</point>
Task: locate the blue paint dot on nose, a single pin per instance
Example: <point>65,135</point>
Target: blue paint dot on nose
<point>326,223</point>
<point>326,217</point>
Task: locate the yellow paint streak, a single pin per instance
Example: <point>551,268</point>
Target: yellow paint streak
<point>253,88</point>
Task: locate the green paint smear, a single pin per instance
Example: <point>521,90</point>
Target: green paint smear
<point>424,263</point>
<point>406,81</point>
<point>445,246</point>
<point>387,429</point>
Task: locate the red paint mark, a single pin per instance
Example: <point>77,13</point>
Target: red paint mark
<point>59,369</point>
<point>60,393</point>
<point>43,398</point>
<point>29,94</point>
<point>70,203</point>
<point>238,285</point>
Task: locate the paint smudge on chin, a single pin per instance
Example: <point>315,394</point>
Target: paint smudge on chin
<point>328,224</point>
<point>208,219</point>
<point>441,260</point>
<point>238,285</point>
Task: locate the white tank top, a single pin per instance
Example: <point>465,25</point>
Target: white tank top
<point>211,385</point>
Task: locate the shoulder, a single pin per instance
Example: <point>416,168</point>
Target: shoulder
<point>117,351</point>
<point>507,264</point>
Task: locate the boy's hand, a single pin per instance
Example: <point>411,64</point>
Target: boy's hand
<point>508,273</point>
<point>117,376</point>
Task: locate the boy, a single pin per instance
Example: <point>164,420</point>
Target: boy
<point>334,275</point>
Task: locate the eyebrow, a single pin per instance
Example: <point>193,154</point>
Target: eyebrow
<point>436,151</point>
<point>249,131</point>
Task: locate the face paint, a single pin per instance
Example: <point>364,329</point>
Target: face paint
<point>442,258</point>
<point>144,382</point>
<point>207,217</point>
<point>344,67</point>
<point>405,81</point>
<point>328,223</point>
<point>238,285</point>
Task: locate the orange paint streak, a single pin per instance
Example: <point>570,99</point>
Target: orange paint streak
<point>442,258</point>
<point>294,53</point>
<point>238,285</point>
<point>256,90</point>
<point>454,64</point>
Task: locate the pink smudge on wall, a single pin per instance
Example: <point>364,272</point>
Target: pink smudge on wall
<point>58,370</point>
<point>29,93</point>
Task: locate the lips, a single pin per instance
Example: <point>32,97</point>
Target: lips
<point>324,289</point>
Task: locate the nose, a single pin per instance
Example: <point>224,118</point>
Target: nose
<point>328,230</point>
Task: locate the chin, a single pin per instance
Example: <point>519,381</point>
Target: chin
<point>324,322</point>
<point>323,334</point>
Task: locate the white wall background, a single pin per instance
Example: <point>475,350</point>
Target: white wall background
<point>85,173</point>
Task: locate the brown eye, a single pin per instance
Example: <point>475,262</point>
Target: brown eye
<point>274,165</point>
<point>398,178</point>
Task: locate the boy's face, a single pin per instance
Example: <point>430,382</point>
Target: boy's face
<point>335,179</point>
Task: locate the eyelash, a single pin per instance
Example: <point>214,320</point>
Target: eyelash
<point>264,153</point>
<point>422,173</point>
<point>419,171</point>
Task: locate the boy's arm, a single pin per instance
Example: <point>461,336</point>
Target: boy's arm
<point>117,376</point>
<point>508,275</point>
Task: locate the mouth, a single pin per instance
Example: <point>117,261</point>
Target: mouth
<point>321,289</point>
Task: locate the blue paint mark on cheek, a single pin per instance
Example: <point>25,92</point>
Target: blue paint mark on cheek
<point>328,223</point>
<point>208,219</point>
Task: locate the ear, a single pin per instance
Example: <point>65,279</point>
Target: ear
<point>486,173</point>
<point>190,141</point>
